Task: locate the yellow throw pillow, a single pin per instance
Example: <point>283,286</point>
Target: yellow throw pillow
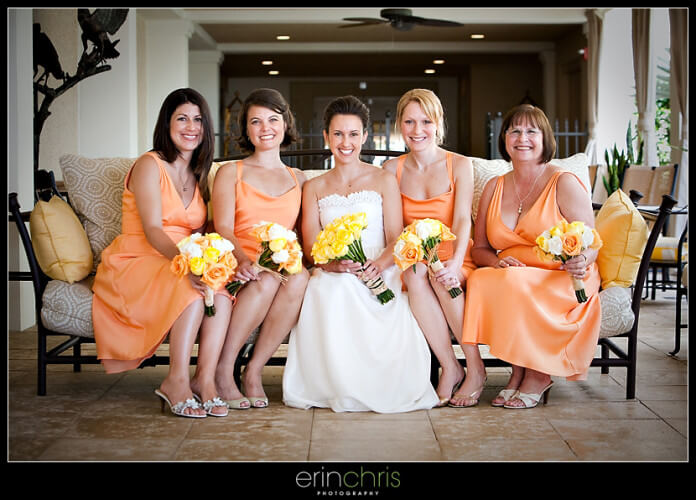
<point>59,240</point>
<point>624,234</point>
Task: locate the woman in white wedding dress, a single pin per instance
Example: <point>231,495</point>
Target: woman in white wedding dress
<point>349,352</point>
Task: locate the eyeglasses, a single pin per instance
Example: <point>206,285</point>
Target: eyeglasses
<point>517,132</point>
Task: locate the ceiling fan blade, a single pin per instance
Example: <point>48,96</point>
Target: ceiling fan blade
<point>430,22</point>
<point>367,20</point>
<point>357,25</point>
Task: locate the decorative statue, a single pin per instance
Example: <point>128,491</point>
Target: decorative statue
<point>96,28</point>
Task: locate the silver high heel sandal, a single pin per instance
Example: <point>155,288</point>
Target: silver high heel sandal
<point>179,408</point>
<point>208,406</point>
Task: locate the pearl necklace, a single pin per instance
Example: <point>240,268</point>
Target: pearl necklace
<point>514,185</point>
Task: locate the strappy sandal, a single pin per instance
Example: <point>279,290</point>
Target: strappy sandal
<point>180,407</point>
<point>530,400</point>
<point>473,396</point>
<point>209,405</point>
<point>507,395</point>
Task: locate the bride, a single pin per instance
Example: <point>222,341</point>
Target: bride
<point>349,352</point>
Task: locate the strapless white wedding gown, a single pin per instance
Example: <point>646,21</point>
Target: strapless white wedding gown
<point>348,352</point>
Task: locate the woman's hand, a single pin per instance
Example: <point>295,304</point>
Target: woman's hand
<point>371,270</point>
<point>246,271</point>
<point>196,283</point>
<point>450,276</point>
<point>576,266</point>
<point>508,262</point>
<point>342,266</point>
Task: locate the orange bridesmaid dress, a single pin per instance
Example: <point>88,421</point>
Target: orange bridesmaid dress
<point>441,208</point>
<point>136,296</point>
<point>254,206</point>
<point>529,316</point>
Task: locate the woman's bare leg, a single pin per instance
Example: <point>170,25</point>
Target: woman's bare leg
<point>280,319</point>
<point>253,302</point>
<point>182,336</point>
<point>429,315</point>
<point>211,340</point>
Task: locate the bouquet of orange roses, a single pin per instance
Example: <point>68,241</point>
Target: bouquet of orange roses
<point>564,241</point>
<point>420,241</point>
<point>340,240</point>
<point>208,256</point>
<point>281,253</point>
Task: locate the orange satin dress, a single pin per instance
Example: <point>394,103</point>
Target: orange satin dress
<point>441,208</point>
<point>529,316</point>
<point>254,206</point>
<point>136,296</point>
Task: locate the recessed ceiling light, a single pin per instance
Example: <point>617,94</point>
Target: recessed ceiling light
<point>477,36</point>
<point>438,61</point>
<point>267,63</point>
<point>283,37</point>
<point>429,71</point>
<point>274,72</point>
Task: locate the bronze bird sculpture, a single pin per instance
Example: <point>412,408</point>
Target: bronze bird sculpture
<point>97,26</point>
<point>45,55</point>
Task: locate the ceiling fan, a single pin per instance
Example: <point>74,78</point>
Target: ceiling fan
<point>399,19</point>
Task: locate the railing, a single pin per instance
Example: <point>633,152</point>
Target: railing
<point>570,139</point>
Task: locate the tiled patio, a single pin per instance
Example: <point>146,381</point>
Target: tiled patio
<point>91,416</point>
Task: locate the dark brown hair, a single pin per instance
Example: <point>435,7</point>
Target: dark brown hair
<point>346,105</point>
<point>535,117</point>
<point>273,100</point>
<point>162,142</point>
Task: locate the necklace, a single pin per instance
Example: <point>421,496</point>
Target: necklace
<point>514,184</point>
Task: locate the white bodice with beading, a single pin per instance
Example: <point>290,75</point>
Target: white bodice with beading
<point>349,352</point>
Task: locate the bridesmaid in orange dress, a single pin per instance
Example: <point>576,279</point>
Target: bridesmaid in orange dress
<point>438,184</point>
<point>259,188</point>
<point>138,300</point>
<point>526,310</point>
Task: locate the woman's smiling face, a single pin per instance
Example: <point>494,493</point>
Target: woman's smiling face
<point>345,137</point>
<point>417,129</point>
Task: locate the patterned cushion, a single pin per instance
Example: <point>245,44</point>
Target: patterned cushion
<point>485,170</point>
<point>67,308</point>
<point>617,315</point>
<point>666,249</point>
<point>95,188</point>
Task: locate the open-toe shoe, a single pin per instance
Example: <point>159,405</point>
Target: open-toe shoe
<point>529,400</point>
<point>180,407</point>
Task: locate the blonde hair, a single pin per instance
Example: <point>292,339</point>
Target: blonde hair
<point>431,106</point>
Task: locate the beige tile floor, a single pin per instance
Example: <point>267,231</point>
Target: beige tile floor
<point>91,416</point>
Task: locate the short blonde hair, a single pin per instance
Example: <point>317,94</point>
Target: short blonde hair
<point>431,106</point>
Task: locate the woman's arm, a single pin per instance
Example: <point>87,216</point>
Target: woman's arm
<point>575,205</point>
<point>144,183</point>
<point>311,227</point>
<point>463,199</point>
<point>482,252</point>
<point>224,205</point>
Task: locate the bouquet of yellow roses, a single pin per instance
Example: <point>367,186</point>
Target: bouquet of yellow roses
<point>564,241</point>
<point>340,240</point>
<point>281,253</point>
<point>208,256</point>
<point>420,241</point>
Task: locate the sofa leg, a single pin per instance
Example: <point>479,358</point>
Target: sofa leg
<point>77,352</point>
<point>605,355</point>
<point>41,368</point>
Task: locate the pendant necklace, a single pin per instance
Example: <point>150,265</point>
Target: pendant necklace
<point>514,184</point>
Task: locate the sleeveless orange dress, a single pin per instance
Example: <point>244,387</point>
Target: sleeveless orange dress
<point>136,297</point>
<point>529,316</point>
<point>254,206</point>
<point>441,208</point>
